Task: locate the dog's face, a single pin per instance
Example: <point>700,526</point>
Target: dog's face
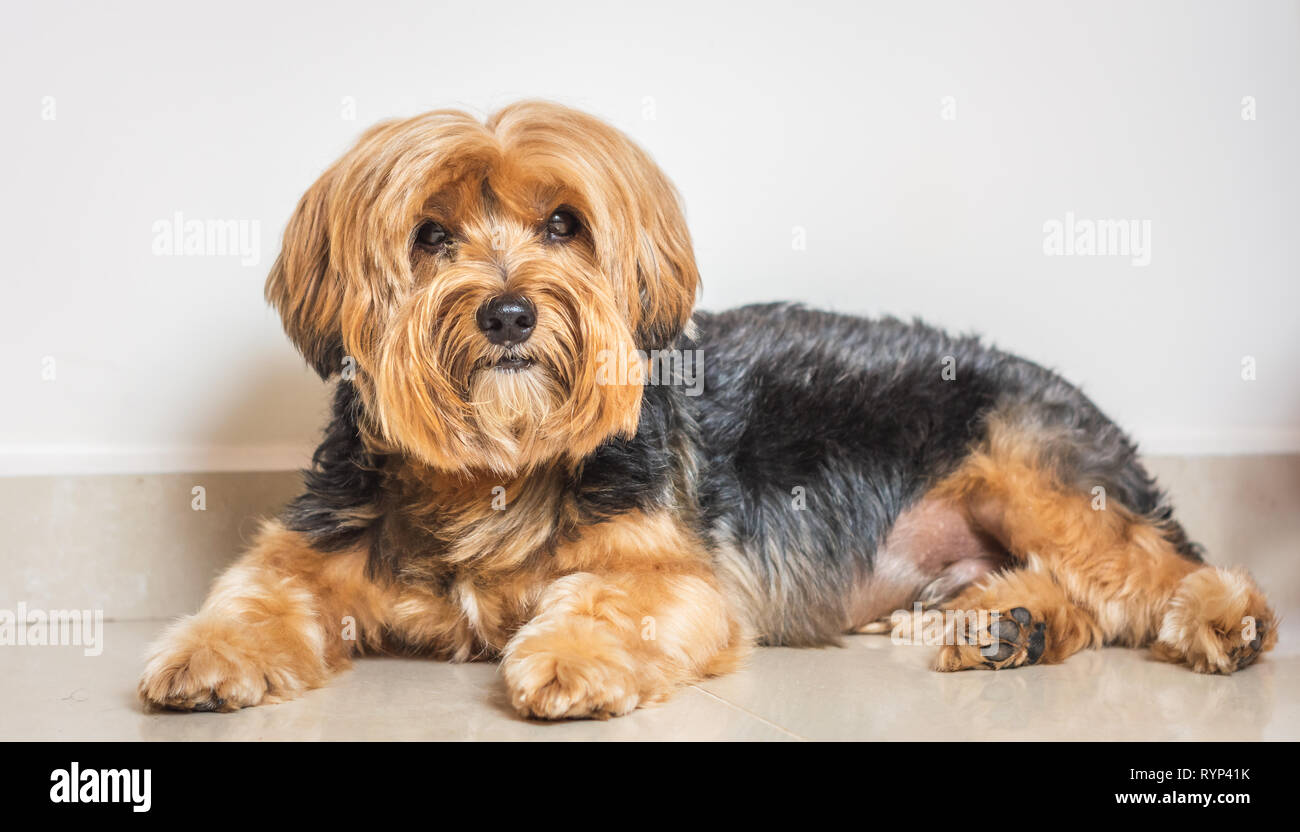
<point>479,276</point>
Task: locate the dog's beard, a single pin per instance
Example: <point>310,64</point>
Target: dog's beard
<point>510,406</point>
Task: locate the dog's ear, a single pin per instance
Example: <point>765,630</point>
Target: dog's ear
<point>666,276</point>
<point>302,285</point>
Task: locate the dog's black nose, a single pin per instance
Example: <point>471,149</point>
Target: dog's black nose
<point>507,319</point>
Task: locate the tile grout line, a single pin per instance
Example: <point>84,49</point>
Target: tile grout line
<point>750,713</point>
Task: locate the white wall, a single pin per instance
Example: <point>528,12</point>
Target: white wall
<point>823,116</point>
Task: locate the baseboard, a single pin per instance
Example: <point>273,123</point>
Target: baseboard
<point>144,546</point>
<point>74,460</point>
<point>1219,443</point>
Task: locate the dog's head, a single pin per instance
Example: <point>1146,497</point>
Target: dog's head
<point>479,277</point>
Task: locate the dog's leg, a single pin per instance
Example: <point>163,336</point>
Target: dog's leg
<point>639,614</point>
<point>603,644</point>
<point>277,623</point>
<point>1122,569</point>
<point>1036,623</point>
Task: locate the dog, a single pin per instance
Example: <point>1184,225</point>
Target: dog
<point>513,471</point>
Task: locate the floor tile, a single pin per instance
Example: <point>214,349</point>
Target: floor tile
<point>871,689</point>
<point>59,693</point>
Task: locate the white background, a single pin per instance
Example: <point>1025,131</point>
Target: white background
<point>768,116</point>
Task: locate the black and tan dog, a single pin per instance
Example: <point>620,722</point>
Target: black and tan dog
<point>489,489</point>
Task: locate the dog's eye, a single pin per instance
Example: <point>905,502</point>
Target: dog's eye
<point>431,235</point>
<point>562,225</point>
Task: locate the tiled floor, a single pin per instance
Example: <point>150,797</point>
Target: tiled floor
<point>868,690</point>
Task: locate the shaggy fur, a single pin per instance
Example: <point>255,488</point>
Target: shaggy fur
<point>610,539</point>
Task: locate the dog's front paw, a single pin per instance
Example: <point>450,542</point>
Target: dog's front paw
<point>199,665</point>
<point>562,678</point>
<point>1218,621</point>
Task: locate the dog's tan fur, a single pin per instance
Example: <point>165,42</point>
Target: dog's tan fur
<point>627,613</point>
<point>1097,573</point>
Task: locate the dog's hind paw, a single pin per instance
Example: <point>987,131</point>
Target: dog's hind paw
<point>1013,638</point>
<point>1218,621</point>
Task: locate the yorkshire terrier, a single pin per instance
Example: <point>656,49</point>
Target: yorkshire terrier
<point>513,472</point>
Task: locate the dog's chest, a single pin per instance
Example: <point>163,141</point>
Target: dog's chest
<point>476,553</point>
<point>483,549</point>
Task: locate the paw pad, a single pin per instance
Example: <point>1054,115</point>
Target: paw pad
<point>1017,639</point>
